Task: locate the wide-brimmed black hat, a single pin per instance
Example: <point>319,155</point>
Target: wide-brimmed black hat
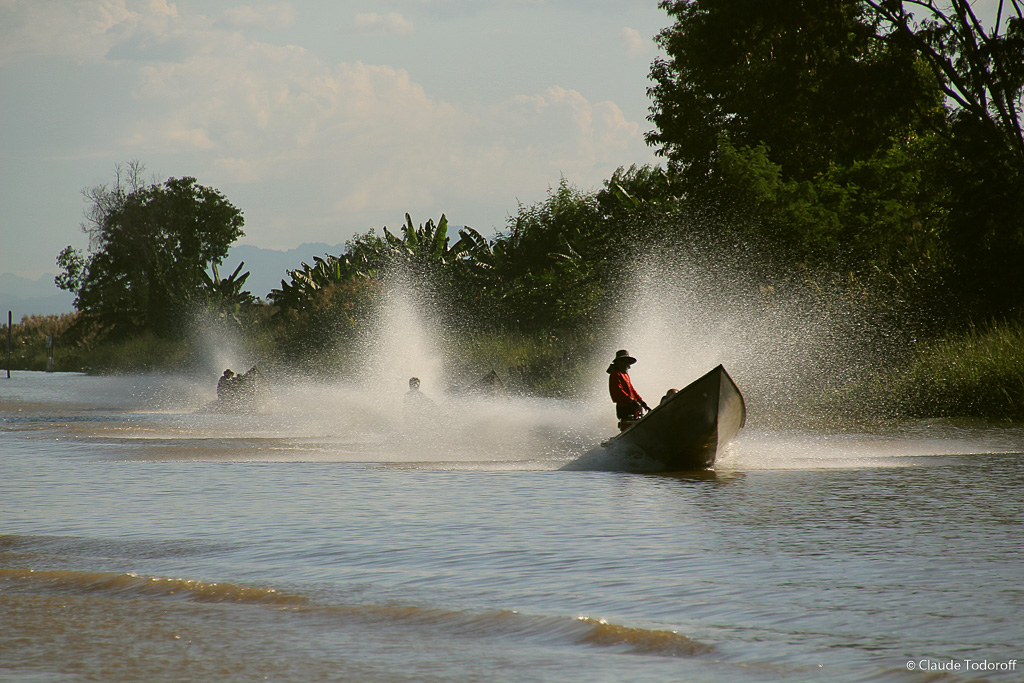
<point>623,354</point>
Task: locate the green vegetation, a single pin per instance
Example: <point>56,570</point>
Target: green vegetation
<point>136,353</point>
<point>28,342</point>
<point>149,248</point>
<point>976,373</point>
<point>840,146</point>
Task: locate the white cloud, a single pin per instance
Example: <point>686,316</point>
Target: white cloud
<point>559,132</point>
<point>375,24</point>
<point>267,112</point>
<point>196,138</point>
<point>635,44</point>
<point>88,31</point>
<point>259,16</point>
<point>29,29</point>
<point>360,143</point>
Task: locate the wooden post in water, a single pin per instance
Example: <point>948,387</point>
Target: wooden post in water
<point>9,326</point>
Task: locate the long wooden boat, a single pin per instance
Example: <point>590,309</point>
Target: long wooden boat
<point>687,431</point>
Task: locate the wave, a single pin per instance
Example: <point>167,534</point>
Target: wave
<point>578,631</point>
<point>134,585</point>
<point>642,641</point>
<point>581,630</point>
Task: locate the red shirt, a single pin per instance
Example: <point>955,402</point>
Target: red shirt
<point>621,388</point>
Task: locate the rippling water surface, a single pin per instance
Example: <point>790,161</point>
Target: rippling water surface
<point>146,537</point>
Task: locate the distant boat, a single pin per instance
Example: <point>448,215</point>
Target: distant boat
<point>243,393</point>
<point>687,431</point>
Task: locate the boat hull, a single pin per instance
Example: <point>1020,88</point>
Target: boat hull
<point>687,431</point>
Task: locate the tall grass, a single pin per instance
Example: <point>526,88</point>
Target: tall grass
<point>28,342</point>
<point>978,373</point>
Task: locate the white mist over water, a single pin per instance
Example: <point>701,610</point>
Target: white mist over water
<point>363,417</point>
<point>221,345</point>
<point>406,341</point>
<point>785,349</point>
<point>402,342</point>
<point>687,315</point>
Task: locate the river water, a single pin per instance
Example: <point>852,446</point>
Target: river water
<point>145,537</point>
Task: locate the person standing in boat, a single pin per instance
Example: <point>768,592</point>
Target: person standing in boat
<point>628,403</point>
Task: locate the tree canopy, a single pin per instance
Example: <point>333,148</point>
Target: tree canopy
<point>149,248</point>
<point>874,136</point>
<point>814,81</point>
<point>978,63</point>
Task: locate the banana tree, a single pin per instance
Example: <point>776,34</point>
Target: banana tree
<point>308,280</point>
<point>429,243</point>
<point>226,297</point>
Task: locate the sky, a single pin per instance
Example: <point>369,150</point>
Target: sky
<point>319,119</point>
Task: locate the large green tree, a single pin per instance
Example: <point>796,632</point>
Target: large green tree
<point>813,80</point>
<point>549,269</point>
<point>978,62</point>
<point>149,246</point>
<point>874,136</point>
<point>809,127</point>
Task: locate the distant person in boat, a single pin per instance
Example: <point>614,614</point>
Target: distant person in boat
<point>241,391</point>
<point>226,383</point>
<point>668,394</point>
<point>628,404</point>
<point>417,406</point>
<point>414,390</point>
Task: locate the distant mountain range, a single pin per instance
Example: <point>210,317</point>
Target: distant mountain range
<point>266,267</point>
<point>23,296</point>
